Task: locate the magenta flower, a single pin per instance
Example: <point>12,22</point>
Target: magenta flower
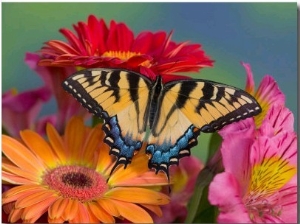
<point>96,45</point>
<point>259,183</point>
<point>53,77</point>
<point>184,179</point>
<point>20,110</point>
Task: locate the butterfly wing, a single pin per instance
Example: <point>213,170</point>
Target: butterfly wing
<point>187,107</point>
<point>121,98</point>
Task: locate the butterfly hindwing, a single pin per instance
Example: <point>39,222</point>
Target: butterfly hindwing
<point>187,107</point>
<point>121,98</point>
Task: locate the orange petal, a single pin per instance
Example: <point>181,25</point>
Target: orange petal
<point>70,210</point>
<point>13,179</point>
<point>154,208</point>
<point>100,213</point>
<point>16,171</point>
<point>109,207</point>
<point>138,166</point>
<point>132,212</point>
<point>138,195</point>
<point>20,155</point>
<point>56,142</point>
<point>92,217</point>
<point>74,137</point>
<point>56,209</point>
<point>19,192</point>
<point>15,215</point>
<point>34,212</point>
<point>92,142</point>
<point>82,216</point>
<point>39,147</point>
<point>34,198</point>
<point>104,159</point>
<point>148,178</point>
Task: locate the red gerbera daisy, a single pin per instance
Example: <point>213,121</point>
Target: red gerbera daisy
<point>97,45</point>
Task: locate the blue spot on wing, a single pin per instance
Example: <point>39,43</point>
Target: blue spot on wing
<point>123,147</point>
<point>166,154</point>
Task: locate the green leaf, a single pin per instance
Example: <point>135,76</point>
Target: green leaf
<point>207,213</point>
<point>214,144</point>
<point>203,180</point>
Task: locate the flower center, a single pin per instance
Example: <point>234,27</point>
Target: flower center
<point>267,179</point>
<point>125,55</point>
<point>76,182</point>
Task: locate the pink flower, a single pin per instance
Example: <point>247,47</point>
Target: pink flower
<point>20,110</point>
<point>183,178</point>
<point>259,183</point>
<point>97,45</point>
<point>267,94</point>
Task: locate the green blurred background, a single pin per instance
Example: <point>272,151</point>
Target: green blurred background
<point>262,34</point>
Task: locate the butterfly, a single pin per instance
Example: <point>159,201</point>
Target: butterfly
<point>169,116</point>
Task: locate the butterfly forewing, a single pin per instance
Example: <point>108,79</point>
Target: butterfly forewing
<point>121,98</point>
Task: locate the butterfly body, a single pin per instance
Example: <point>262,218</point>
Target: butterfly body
<point>175,112</point>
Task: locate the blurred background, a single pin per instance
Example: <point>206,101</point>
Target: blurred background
<point>262,34</point>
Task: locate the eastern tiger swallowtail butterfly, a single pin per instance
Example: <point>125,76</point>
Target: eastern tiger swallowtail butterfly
<point>174,112</point>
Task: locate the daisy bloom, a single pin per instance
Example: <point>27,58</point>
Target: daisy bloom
<point>97,45</point>
<point>66,177</point>
<point>267,94</point>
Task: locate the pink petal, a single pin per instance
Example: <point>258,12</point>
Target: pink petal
<point>278,119</point>
<point>229,199</point>
<point>250,85</point>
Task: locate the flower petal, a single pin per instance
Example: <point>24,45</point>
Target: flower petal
<point>250,85</point>
<point>15,215</point>
<point>132,212</point>
<point>82,216</point>
<point>16,171</point>
<point>100,213</point>
<point>138,195</point>
<point>56,143</point>
<point>35,211</point>
<point>74,137</point>
<point>20,155</point>
<point>228,200</point>
<point>109,206</point>
<point>39,147</point>
<point>34,198</point>
<point>56,210</point>
<point>71,209</point>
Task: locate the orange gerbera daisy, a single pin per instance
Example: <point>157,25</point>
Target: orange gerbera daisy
<point>67,177</point>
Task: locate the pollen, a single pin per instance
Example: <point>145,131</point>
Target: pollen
<point>125,55</point>
<point>76,182</point>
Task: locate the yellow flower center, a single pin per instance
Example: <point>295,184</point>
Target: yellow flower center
<point>267,179</point>
<point>125,55</point>
<point>76,182</point>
